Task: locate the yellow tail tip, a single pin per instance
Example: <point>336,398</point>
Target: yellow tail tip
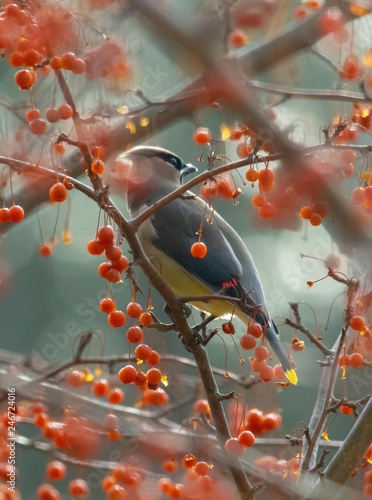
<point>292,376</point>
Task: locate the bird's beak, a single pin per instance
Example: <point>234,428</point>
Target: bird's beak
<point>188,169</point>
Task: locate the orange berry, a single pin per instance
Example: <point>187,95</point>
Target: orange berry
<point>306,212</point>
<point>121,264</point>
<point>261,352</point>
<point>247,342</point>
<point>346,410</point>
<point>115,396</point>
<point>107,482</point>
<point>258,365</point>
<point>356,360</point>
<point>199,250</point>
<point>142,352</point>
<point>266,179</point>
<point>45,250</point>
<point>170,465</point>
<point>209,190</point>
<point>134,334</point>
<point>116,319</point>
<point>68,60</point>
<point>107,305</point>
<point>37,126</point>
<point>201,468</point>
<point>58,192</point>
<point>32,114</point>
<point>331,21</point>
<point>153,376</point>
<point>106,234</point>
<point>95,247</point>
<point>78,488</point>
<point>279,372</point>
<point>266,211</point>
<point>297,344</point>
<point>100,387</point>
<point>145,319</point>
<point>343,360</point>
<point>113,275</point>
<point>202,136</point>
<point>188,461</point>
<point>266,374</point>
<point>17,214</point>
<point>104,268</point>
<point>98,167</point>
<point>55,470</point>
<point>259,200</point>
<point>79,67</point>
<point>156,397</point>
<point>127,374</point>
<point>234,448</point>
<point>116,492</point>
<point>246,438</point>
<point>255,329</point>
<point>368,475</point>
<point>153,359</point>
<point>51,114</point>
<point>357,323</point>
<point>238,39</point>
<point>271,421</point>
<point>134,310</point>
<point>113,253</point>
<point>55,63</point>
<point>315,219</point>
<point>64,111</point>
<point>25,79</point>
<point>236,133</point>
<point>251,175</point>
<point>4,215</point>
<point>47,492</point>
<point>74,378</point>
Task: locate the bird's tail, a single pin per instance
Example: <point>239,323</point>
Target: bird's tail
<point>274,341</point>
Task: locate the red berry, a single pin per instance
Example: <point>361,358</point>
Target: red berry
<point>255,329</point>
<point>58,192</point>
<point>116,319</point>
<point>78,488</point>
<point>25,79</point>
<point>234,448</point>
<point>68,60</point>
<point>357,323</point>
<point>134,310</point>
<point>37,126</point>
<point>52,115</point>
<point>45,250</point>
<point>142,352</point>
<point>107,305</point>
<point>145,319</point>
<point>127,374</point>
<point>17,214</point>
<point>106,234</point>
<point>115,396</point>
<point>199,250</point>
<point>64,111</point>
<point>55,470</point>
<point>356,360</point>
<point>153,376</point>
<point>100,387</point>
<point>202,136</point>
<point>4,215</point>
<point>98,167</point>
<point>134,334</point>
<point>32,114</point>
<point>95,247</point>
<point>247,342</point>
<point>246,438</point>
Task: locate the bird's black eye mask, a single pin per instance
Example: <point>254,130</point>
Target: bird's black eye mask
<point>178,164</point>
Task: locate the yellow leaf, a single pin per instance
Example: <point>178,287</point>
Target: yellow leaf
<point>325,436</point>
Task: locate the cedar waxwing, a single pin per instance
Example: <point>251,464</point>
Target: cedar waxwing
<point>167,236</point>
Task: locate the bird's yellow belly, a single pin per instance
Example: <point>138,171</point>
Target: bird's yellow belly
<point>183,284</point>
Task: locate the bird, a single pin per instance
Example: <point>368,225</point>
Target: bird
<point>150,174</point>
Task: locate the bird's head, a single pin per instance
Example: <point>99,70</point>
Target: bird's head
<point>144,171</point>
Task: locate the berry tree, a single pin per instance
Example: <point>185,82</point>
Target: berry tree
<point>109,397</point>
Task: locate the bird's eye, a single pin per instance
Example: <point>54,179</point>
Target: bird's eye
<point>172,160</point>
<point>175,162</point>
